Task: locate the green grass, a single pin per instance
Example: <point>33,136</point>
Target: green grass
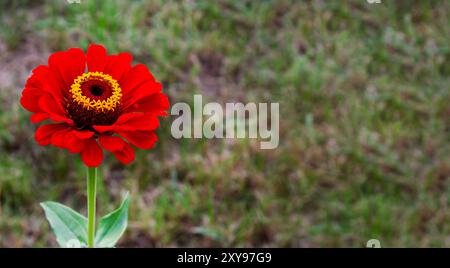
<point>364,101</point>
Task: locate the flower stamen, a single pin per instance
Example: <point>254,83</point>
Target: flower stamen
<point>94,99</point>
<point>96,91</point>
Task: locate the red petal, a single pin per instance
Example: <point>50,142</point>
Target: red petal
<point>59,138</point>
<point>156,104</point>
<point>92,154</point>
<point>44,133</point>
<point>53,109</point>
<point>143,91</point>
<point>73,143</point>
<point>121,150</point>
<point>138,75</point>
<point>67,65</point>
<point>136,121</point>
<point>111,143</point>
<point>30,99</point>
<point>140,139</point>
<point>131,122</point>
<point>84,134</point>
<point>103,129</point>
<point>126,155</point>
<point>96,58</point>
<point>118,65</point>
<point>39,117</point>
<point>46,80</point>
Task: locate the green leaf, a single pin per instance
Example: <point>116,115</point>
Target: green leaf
<point>68,225</point>
<point>112,226</point>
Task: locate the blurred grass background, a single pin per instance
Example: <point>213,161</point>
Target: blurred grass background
<point>364,131</point>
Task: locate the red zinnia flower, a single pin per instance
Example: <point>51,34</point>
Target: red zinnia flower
<point>113,104</point>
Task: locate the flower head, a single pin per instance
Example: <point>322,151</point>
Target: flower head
<point>95,101</point>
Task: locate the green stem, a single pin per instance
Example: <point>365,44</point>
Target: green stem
<point>91,193</point>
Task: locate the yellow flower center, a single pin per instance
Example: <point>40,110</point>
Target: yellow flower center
<point>96,91</point>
